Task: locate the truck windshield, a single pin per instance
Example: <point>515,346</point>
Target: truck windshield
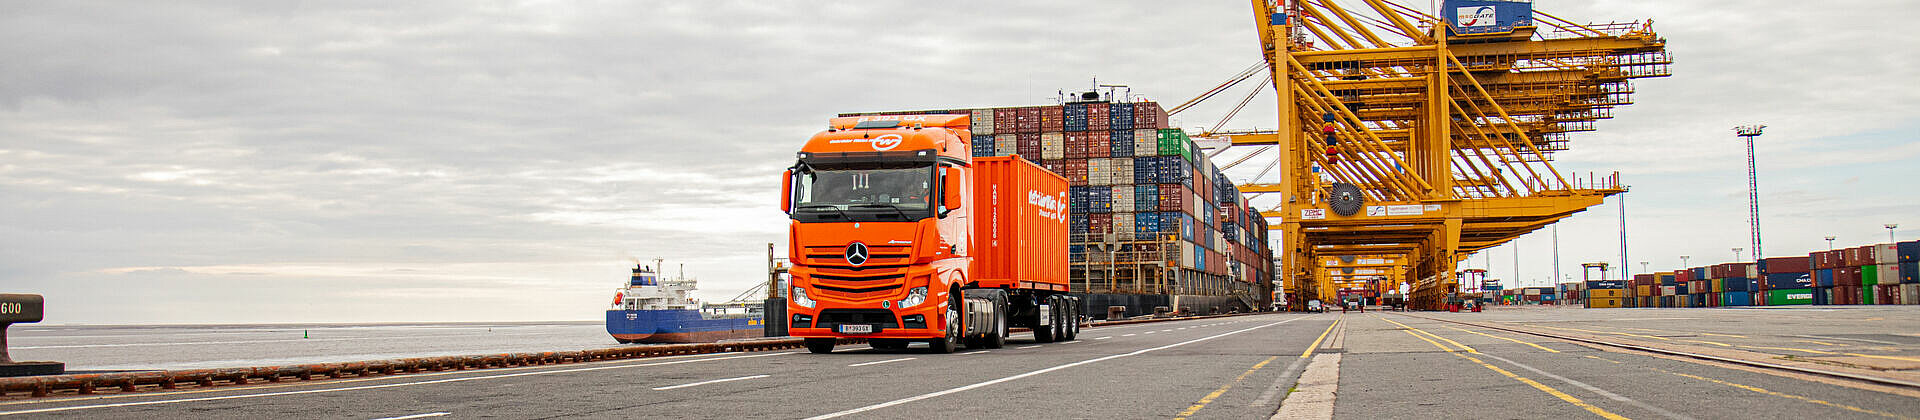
<point>863,194</point>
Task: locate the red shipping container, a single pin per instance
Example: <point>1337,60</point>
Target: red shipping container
<point>1099,118</point>
<point>1149,115</point>
<point>1683,276</point>
<point>1028,145</point>
<point>1099,144</point>
<point>1076,171</point>
<point>1644,279</point>
<point>1052,119</point>
<point>1003,120</point>
<point>1825,259</point>
<point>1859,256</point>
<point>1027,120</point>
<point>1020,228</point>
<point>1076,145</point>
<point>1787,264</point>
<point>1846,276</point>
<point>1097,224</point>
<point>1173,197</point>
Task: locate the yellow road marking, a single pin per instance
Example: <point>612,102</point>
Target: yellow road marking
<point>1316,341</point>
<point>1823,343</point>
<point>1724,335</point>
<point>1223,389</point>
<point>1709,342</point>
<point>1455,343</point>
<point>1788,396</point>
<point>1537,346</point>
<point>1535,384</point>
<point>1607,332</point>
<point>1910,359</point>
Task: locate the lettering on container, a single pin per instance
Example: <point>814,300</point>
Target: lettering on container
<point>1313,214</point>
<point>1051,207</point>
<point>10,308</point>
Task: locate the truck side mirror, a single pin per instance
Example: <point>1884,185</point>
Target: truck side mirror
<point>950,192</point>
<point>786,192</point>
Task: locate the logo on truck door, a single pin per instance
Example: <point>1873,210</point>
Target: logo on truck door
<point>856,253</point>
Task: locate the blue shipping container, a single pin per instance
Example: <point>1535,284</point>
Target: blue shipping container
<point>1699,273</point>
<point>1146,170</point>
<point>1606,284</point>
<point>1122,118</point>
<point>1908,251</point>
<point>1910,272</point>
<point>1776,281</point>
<point>1074,117</point>
<point>1738,284</point>
<point>1487,16</point>
<point>1736,299</point>
<point>1823,277</point>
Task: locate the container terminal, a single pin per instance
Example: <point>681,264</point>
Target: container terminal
<point>1087,258</point>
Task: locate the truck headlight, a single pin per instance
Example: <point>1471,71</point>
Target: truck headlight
<point>800,297</point>
<point>915,296</point>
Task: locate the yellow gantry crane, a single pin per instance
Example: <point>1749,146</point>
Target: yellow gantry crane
<point>1420,139</point>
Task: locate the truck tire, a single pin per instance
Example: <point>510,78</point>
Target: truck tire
<point>820,345</point>
<point>1060,312</point>
<point>1044,334</point>
<point>1072,324</point>
<point>951,342</point>
<point>998,338</point>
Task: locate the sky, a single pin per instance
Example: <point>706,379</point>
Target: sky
<point>271,161</point>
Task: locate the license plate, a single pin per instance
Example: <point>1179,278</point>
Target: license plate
<point>856,328</point>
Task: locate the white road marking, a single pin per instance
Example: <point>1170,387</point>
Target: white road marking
<point>710,382</point>
<point>1166,330</point>
<point>1037,372</point>
<point>1027,347</point>
<point>415,416</point>
<point>1127,335</point>
<point>381,386</point>
<point>976,352</point>
<point>1148,332</point>
<point>1103,338</point>
<point>882,361</point>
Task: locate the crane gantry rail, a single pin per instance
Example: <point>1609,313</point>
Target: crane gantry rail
<point>1419,139</point>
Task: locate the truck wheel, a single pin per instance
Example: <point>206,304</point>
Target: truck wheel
<point>998,338</point>
<point>1060,319</point>
<point>820,345</point>
<point>1044,334</point>
<point>951,342</point>
<point>1072,324</point>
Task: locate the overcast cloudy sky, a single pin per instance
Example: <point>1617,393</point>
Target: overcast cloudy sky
<point>455,161</point>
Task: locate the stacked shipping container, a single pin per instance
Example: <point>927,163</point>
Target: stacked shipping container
<point>1882,274</point>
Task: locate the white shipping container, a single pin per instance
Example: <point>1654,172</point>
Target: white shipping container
<point>1753,272</point>
<point>1909,294</point>
<point>1123,203</point>
<point>1053,146</point>
<point>1883,253</point>
<point>1099,171</point>
<point>1122,173</point>
<point>982,121</point>
<point>1122,223</point>
<point>1005,144</point>
<point>1888,273</point>
<point>1197,208</point>
<point>1187,252</point>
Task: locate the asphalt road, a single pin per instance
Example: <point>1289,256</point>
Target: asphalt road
<point>1157,370</point>
<point>1391,365</point>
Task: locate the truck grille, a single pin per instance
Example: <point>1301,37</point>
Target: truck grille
<point>879,318</point>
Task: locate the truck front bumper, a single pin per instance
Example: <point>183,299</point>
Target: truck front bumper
<point>924,322</point>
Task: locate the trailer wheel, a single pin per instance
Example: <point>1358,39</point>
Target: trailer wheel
<point>820,345</point>
<point>1072,324</point>
<point>1060,319</point>
<point>951,342</point>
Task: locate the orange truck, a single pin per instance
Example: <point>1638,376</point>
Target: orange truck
<point>900,235</point>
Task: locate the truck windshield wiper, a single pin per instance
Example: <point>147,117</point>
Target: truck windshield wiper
<point>895,208</point>
<point>836,209</point>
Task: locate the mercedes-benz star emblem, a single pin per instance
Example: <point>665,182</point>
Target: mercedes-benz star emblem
<point>856,253</point>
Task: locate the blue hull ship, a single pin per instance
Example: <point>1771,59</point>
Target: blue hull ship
<point>653,310</point>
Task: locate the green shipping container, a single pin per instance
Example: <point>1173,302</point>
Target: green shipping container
<point>1173,141</point>
<point>1869,276</point>
<point>1789,297</point>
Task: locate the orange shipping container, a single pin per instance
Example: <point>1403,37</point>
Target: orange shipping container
<point>1020,228</point>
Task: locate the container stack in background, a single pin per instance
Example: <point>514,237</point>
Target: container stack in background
<point>1881,274</point>
<point>1606,293</point>
<point>1150,215</point>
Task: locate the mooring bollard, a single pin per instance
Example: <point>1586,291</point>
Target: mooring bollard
<point>22,308</point>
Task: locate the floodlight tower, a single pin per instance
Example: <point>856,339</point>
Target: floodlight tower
<point>1890,227</point>
<point>1748,132</point>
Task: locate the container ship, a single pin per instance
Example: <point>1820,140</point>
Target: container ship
<point>1155,226</point>
<point>652,309</point>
